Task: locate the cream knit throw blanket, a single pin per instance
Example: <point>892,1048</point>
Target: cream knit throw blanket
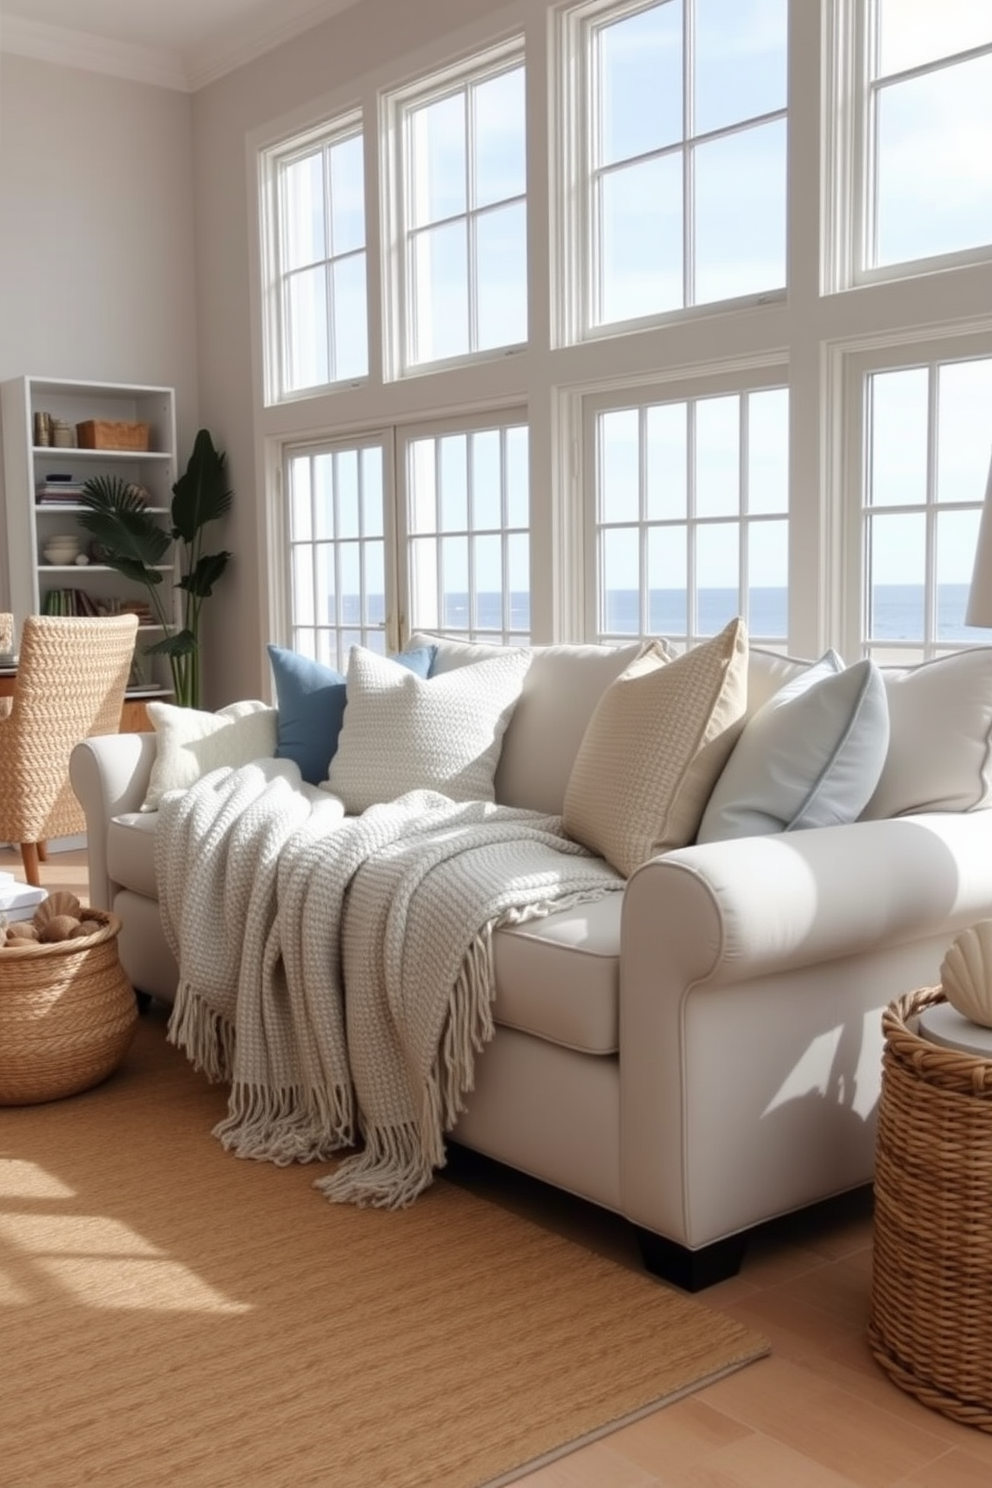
<point>338,971</point>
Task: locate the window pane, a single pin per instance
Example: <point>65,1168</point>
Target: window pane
<point>441,293</point>
<point>517,478</point>
<point>619,550</point>
<point>500,138</point>
<point>487,553</point>
<point>740,190</point>
<point>351,347</point>
<point>717,576</point>
<point>896,561</point>
<point>301,562</point>
<point>740,60</point>
<point>349,566</point>
<point>640,271</point>
<point>501,237</point>
<point>768,451</point>
<point>323,496</point>
<point>768,579</point>
<point>454,582</point>
<point>424,583</point>
<point>912,32</point>
<point>325,588</point>
<point>964,429</point>
<point>306,329</point>
<point>345,166</point>
<point>619,465</point>
<point>346,473</point>
<point>487,506</point>
<point>899,416</point>
<point>667,444</point>
<point>421,486</point>
<point>956,540</point>
<point>934,172</point>
<point>374,557</point>
<point>453,456</point>
<point>640,79</point>
<point>668,610</point>
<point>437,160</point>
<point>717,457</point>
<point>304,238</point>
<point>299,501</point>
<point>518,580</point>
<point>373,495</point>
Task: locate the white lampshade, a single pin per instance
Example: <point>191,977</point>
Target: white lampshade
<point>979,611</point>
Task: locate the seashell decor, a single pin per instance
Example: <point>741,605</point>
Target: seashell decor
<point>966,973</point>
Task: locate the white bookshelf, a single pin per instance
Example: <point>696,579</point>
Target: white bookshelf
<point>31,525</point>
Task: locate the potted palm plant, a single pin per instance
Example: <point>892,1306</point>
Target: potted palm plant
<point>134,542</point>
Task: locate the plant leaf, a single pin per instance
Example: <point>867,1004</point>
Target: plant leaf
<point>201,494</point>
<point>117,519</point>
<point>181,644</point>
<point>204,574</point>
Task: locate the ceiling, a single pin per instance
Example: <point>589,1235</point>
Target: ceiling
<point>177,43</point>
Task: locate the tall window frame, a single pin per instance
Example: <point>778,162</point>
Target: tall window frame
<point>584,175</point>
<point>316,297</point>
<point>413,223</point>
<point>727,514</point>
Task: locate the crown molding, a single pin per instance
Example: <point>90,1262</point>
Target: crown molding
<point>91,53</point>
<point>234,47</point>
<point>228,49</point>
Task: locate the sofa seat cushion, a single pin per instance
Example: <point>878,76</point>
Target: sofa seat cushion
<point>558,977</point>
<point>131,851</point>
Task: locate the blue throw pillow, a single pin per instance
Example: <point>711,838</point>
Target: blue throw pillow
<point>310,698</point>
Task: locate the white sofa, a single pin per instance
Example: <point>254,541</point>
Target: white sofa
<point>701,1052</point>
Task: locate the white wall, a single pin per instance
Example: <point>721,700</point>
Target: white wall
<point>97,251</point>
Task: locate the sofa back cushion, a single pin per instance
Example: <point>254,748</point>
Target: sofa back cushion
<point>940,736</point>
<point>561,688</point>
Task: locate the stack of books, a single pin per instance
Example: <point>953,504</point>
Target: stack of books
<point>58,489</point>
<point>18,901</point>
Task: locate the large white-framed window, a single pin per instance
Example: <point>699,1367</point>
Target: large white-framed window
<point>919,419</point>
<point>424,527</point>
<point>315,259</point>
<point>456,211</point>
<point>672,154</point>
<point>687,500</point>
<point>338,524</point>
<point>466,513</point>
<point>909,115</point>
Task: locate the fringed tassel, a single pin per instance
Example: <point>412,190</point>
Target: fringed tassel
<point>205,1037</point>
<point>287,1125</point>
<point>389,1174</point>
<point>468,1027</point>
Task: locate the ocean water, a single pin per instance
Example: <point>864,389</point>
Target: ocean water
<point>898,613</point>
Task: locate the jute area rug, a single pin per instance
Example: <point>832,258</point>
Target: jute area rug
<point>172,1315</point>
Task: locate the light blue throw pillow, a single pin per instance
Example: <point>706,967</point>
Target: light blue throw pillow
<point>311,698</point>
<point>810,757</point>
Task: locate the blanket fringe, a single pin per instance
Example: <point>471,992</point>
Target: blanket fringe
<point>389,1174</point>
<point>289,1125</point>
<point>204,1036</point>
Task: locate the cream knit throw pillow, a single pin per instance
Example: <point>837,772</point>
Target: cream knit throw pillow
<point>654,747</point>
<point>402,733</point>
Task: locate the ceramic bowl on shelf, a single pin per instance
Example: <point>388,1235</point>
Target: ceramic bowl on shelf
<point>61,548</point>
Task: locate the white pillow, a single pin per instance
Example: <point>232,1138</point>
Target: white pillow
<point>191,743</point>
<point>940,718</point>
<point>810,757</point>
<point>402,732</point>
<point>656,742</point>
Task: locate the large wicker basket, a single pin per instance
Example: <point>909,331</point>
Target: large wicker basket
<point>930,1326</point>
<point>67,1015</point>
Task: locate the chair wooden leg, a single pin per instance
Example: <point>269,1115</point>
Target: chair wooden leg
<point>29,857</point>
<point>42,851</point>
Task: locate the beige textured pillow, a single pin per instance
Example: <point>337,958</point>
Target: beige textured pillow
<point>654,748</point>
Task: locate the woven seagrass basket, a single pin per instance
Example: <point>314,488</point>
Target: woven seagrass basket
<point>930,1324</point>
<point>67,1015</point>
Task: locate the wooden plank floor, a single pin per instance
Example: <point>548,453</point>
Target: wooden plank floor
<point>818,1413</point>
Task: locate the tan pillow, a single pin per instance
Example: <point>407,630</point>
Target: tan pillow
<point>655,745</point>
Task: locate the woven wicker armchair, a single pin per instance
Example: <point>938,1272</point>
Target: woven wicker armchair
<point>71,676</point>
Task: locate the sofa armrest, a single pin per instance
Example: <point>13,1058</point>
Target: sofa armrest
<point>109,774</point>
<point>753,973</point>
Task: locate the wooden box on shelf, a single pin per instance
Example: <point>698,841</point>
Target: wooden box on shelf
<point>112,434</point>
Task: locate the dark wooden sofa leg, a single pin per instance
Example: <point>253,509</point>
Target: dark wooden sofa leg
<point>692,1270</point>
